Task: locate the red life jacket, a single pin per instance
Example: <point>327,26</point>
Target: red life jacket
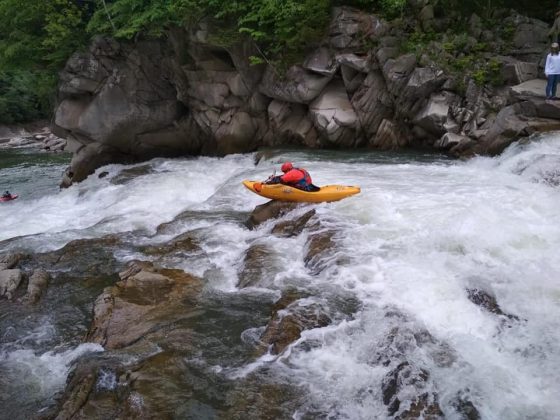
<point>302,183</point>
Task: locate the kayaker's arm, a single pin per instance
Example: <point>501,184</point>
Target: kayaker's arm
<point>273,180</point>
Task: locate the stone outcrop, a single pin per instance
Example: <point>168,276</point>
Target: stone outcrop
<point>193,94</point>
<point>138,303</point>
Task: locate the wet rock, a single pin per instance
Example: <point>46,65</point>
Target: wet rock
<point>488,302</point>
<point>140,303</point>
<point>79,388</point>
<point>271,210</point>
<point>255,265</point>
<point>253,398</point>
<point>82,257</point>
<point>466,409</point>
<point>38,283</point>
<point>290,228</point>
<point>289,319</point>
<point>183,244</point>
<point>406,383</point>
<point>9,282</point>
<point>88,158</point>
<point>10,260</point>
<point>129,174</point>
<point>319,247</point>
<point>424,407</point>
<point>402,340</point>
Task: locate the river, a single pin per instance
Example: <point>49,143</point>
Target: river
<point>424,230</point>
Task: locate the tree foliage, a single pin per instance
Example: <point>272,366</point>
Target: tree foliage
<point>25,95</point>
<point>37,36</point>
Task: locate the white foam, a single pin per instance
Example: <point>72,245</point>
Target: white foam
<point>417,237</point>
<point>45,372</point>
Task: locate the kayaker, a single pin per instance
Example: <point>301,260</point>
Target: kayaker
<point>295,177</point>
<point>7,194</point>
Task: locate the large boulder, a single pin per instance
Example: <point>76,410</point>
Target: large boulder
<point>397,71</point>
<point>290,123</point>
<point>434,115</point>
<point>372,103</point>
<point>389,136</point>
<point>423,82</point>
<point>515,72</point>
<point>334,116</point>
<point>140,303</point>
<point>298,85</point>
<point>512,122</point>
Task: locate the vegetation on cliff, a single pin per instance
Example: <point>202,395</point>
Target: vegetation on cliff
<point>37,36</point>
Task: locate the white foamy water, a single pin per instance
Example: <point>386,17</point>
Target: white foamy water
<point>421,233</point>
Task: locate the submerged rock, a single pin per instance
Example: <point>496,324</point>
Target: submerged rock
<point>407,383</point>
<point>255,265</point>
<point>488,302</point>
<point>183,244</point>
<point>290,228</point>
<point>288,321</point>
<point>319,247</point>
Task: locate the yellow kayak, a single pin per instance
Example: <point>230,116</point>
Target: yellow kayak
<point>286,193</point>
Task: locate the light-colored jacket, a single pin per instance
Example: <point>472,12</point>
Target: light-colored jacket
<point>552,65</point>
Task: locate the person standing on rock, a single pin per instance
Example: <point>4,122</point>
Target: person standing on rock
<point>552,71</point>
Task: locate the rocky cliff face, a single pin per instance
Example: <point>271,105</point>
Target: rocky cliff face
<point>194,94</point>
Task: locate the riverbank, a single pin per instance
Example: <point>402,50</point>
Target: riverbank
<point>32,135</point>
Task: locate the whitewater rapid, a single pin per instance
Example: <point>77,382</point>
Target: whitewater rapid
<point>423,230</point>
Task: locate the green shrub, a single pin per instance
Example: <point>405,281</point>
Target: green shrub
<point>25,96</point>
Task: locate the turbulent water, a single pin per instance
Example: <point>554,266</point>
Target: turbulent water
<point>423,231</point>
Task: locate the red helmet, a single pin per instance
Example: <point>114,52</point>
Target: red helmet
<point>287,166</point>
